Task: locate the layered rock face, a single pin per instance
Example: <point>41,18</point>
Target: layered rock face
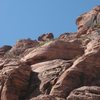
<point>89,22</point>
<point>85,93</point>
<point>66,68</point>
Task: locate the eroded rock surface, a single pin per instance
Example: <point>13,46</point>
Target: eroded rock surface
<point>66,68</point>
<point>84,71</point>
<point>21,46</point>
<point>85,93</point>
<point>57,49</point>
<point>49,72</point>
<point>14,81</point>
<point>47,97</point>
<point>89,20</point>
<point>4,49</point>
<point>46,37</point>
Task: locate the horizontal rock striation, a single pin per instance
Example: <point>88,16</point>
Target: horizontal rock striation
<point>65,68</point>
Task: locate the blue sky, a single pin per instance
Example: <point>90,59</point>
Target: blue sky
<point>29,18</point>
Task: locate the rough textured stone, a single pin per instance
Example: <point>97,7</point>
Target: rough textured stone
<point>67,36</point>
<point>85,93</point>
<point>21,46</point>
<point>54,50</point>
<point>4,49</point>
<point>47,97</point>
<point>89,20</point>
<point>93,46</point>
<point>48,73</point>
<point>15,81</point>
<point>84,71</point>
<point>46,37</point>
<point>67,68</point>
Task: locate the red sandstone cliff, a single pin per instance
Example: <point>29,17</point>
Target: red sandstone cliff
<point>67,68</point>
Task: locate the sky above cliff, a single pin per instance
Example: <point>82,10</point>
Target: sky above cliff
<point>29,18</point>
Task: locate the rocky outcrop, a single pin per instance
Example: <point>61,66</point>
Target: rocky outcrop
<point>66,68</point>
<point>48,73</point>
<point>46,37</point>
<point>21,46</point>
<point>85,93</point>
<point>90,20</point>
<point>54,50</point>
<point>4,49</point>
<point>67,36</point>
<point>84,71</point>
<point>14,81</point>
<point>47,97</point>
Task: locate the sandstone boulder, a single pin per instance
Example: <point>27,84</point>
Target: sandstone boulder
<point>85,93</point>
<point>21,46</point>
<point>14,81</point>
<point>54,50</point>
